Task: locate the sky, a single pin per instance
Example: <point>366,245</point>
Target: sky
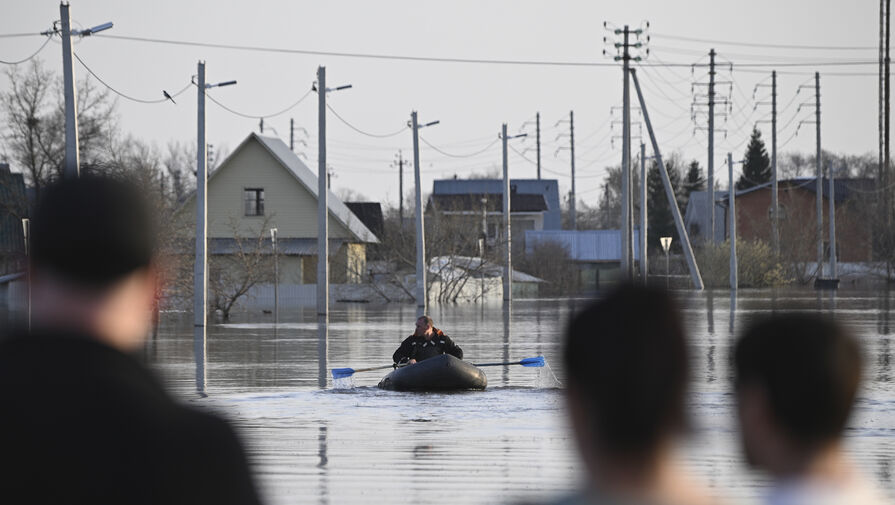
<point>472,100</point>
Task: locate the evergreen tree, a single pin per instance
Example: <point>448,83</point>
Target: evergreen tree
<point>757,168</point>
<point>694,181</point>
<point>659,216</point>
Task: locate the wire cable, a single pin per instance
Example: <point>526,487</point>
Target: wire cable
<point>452,155</point>
<point>253,116</point>
<point>765,45</point>
<point>121,94</point>
<point>35,53</point>
<point>362,132</point>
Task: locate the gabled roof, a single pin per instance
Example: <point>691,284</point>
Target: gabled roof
<point>291,162</point>
<point>370,213</point>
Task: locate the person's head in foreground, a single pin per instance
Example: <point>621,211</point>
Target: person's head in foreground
<point>627,372</point>
<point>81,412</point>
<point>92,261</point>
<point>796,378</point>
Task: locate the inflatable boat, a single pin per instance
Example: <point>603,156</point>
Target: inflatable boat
<point>441,373</point>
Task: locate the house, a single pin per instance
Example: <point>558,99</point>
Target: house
<point>264,185</point>
<point>534,203</point>
<point>13,207</point>
<point>596,252</point>
<point>798,217</point>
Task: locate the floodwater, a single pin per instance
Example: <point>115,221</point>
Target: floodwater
<point>313,441</point>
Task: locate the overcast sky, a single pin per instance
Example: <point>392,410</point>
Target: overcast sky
<point>470,100</point>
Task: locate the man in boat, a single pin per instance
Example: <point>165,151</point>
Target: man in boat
<point>426,342</point>
<point>84,420</point>
<point>627,370</point>
<point>796,380</point>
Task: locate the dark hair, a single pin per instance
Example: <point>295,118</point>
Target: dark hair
<point>626,355</point>
<point>428,319</point>
<point>92,231</point>
<point>809,366</point>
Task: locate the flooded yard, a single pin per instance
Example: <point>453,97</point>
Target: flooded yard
<point>313,441</point>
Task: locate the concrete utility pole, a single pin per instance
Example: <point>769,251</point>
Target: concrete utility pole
<point>508,256</point>
<point>507,197</point>
<point>818,187</point>
<point>538,141</point>
<point>644,262</point>
<point>276,276</point>
<point>626,263</point>
<point>200,267</point>
<point>72,161</point>
<point>732,218</point>
<point>572,211</point>
<point>291,134</point>
<point>834,267</point>
<point>322,193</point>
<point>711,160</point>
<point>422,295</point>
<point>26,234</point>
<point>775,202</point>
<point>401,191</point>
<point>261,125</point>
<point>695,276</point>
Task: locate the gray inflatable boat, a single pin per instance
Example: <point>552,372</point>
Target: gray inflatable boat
<point>441,373</point>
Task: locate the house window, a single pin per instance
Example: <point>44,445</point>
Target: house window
<point>254,201</point>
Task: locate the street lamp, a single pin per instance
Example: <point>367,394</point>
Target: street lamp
<point>666,246</point>
<point>276,277</point>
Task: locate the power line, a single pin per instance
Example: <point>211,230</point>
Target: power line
<point>121,94</point>
<point>362,132</point>
<point>453,155</point>
<point>35,53</point>
<point>434,59</point>
<point>765,45</point>
<point>254,116</point>
<point>14,35</point>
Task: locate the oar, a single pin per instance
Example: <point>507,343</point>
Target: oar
<point>341,373</point>
<point>536,361</point>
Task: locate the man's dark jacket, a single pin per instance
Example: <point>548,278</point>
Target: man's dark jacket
<point>418,348</point>
<point>83,423</point>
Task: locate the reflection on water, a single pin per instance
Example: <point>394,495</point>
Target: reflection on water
<point>312,442</point>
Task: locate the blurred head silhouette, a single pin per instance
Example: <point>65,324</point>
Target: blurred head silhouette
<point>91,263</point>
<point>627,368</point>
<point>796,379</point>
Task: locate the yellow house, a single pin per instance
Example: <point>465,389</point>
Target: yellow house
<point>264,185</point>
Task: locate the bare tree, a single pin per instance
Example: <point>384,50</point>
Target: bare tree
<point>232,276</point>
<point>34,137</point>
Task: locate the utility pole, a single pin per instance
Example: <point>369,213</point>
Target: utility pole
<point>422,296</point>
<point>819,182</point>
<point>291,134</point>
<point>200,267</point>
<point>26,234</point>
<point>732,218</point>
<point>508,256</point>
<point>834,267</point>
<point>695,276</point>
<point>644,263</point>
<point>276,276</point>
<point>572,212</point>
<point>507,197</point>
<point>627,221</point>
<point>775,203</point>
<point>538,140</point>
<point>711,161</point>
<point>322,194</point>
<point>626,264</point>
<point>261,125</point>
<point>401,191</point>
<point>72,161</point>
